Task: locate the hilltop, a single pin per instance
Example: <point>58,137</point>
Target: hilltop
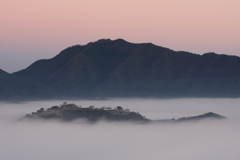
<point>70,112</point>
<point>116,68</point>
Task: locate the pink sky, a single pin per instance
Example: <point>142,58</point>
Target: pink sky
<point>31,30</point>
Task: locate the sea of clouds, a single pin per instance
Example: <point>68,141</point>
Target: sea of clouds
<point>53,140</point>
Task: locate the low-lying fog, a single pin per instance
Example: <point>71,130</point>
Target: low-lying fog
<point>208,140</point>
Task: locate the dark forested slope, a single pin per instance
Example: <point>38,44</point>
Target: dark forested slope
<point>3,74</point>
<point>107,68</point>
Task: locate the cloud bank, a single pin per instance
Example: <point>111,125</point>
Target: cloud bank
<point>78,140</point>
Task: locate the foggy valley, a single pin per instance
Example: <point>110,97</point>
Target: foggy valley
<point>181,59</point>
<point>207,139</point>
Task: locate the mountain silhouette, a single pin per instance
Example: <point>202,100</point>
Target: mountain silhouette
<point>116,68</point>
<point>3,74</point>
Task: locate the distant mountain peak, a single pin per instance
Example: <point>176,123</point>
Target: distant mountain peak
<point>104,40</point>
<point>107,40</point>
<point>117,68</point>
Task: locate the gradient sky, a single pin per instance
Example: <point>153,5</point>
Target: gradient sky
<point>32,30</point>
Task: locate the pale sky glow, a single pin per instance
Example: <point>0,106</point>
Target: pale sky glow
<point>32,30</point>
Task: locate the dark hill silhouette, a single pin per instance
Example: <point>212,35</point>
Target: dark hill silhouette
<point>3,74</point>
<point>70,112</point>
<point>107,68</point>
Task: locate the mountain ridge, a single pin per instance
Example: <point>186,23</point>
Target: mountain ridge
<point>3,74</point>
<point>117,68</point>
